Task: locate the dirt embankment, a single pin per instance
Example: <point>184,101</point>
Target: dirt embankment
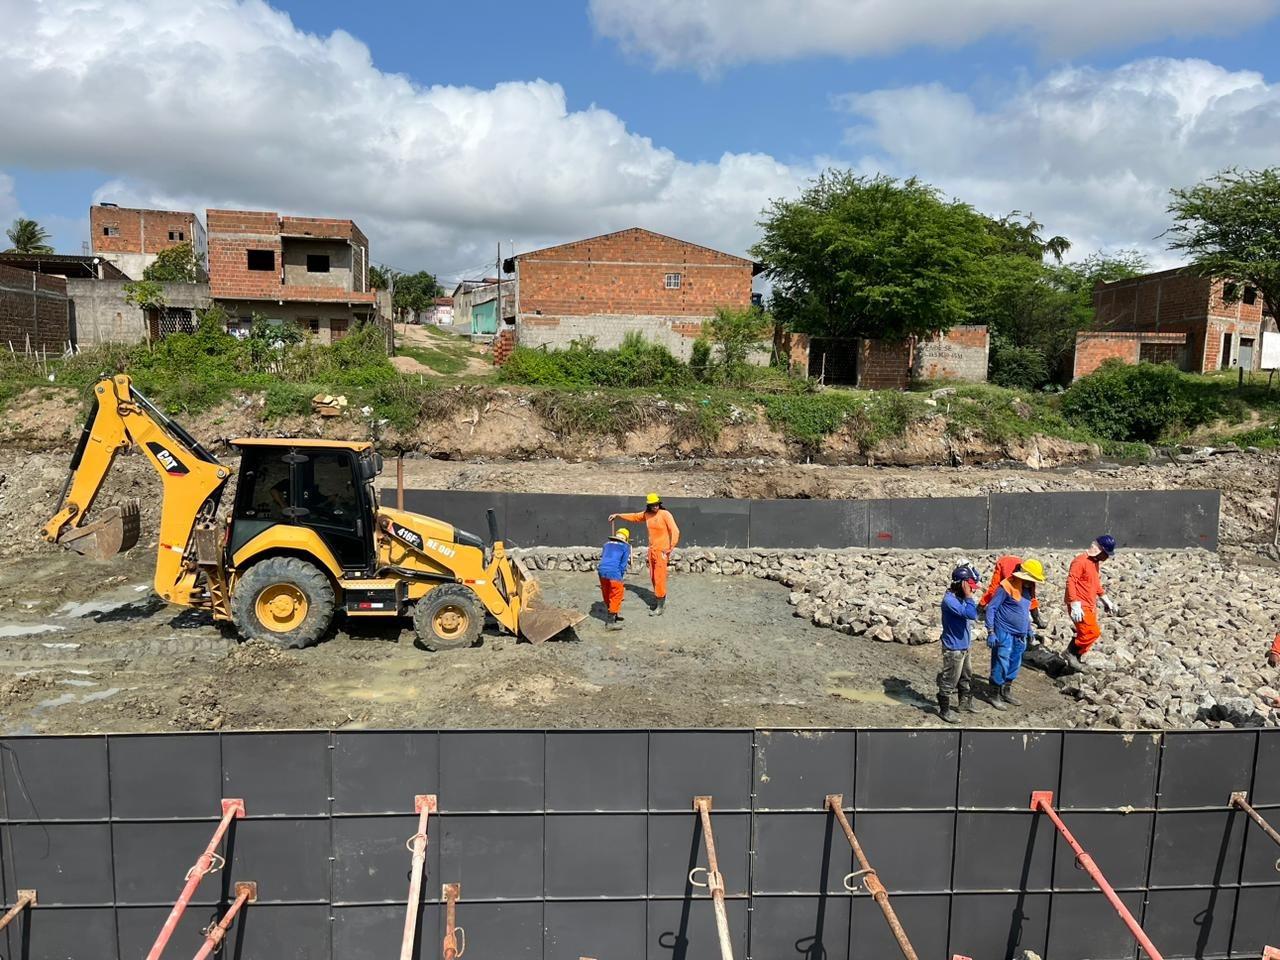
<point>471,423</point>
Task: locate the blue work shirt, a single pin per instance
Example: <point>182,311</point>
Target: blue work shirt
<point>957,614</point>
<point>1009,615</point>
<point>615,556</point>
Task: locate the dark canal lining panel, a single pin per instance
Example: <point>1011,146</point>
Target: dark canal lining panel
<point>579,843</point>
<point>1137,518</point>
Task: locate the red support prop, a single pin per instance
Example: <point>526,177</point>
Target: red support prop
<point>246,892</point>
<point>26,898</point>
<point>231,810</point>
<point>1270,953</point>
<point>1042,802</point>
<point>424,804</point>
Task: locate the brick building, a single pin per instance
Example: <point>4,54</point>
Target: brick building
<point>959,354</point>
<point>130,237</point>
<point>304,270</point>
<point>35,313</point>
<point>632,280</point>
<point>1175,316</point>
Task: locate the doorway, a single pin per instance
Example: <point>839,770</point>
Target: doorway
<point>1224,358</point>
<point>1246,353</point>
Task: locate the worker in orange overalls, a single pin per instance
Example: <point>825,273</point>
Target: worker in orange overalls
<point>664,536</point>
<point>1006,567</point>
<point>615,558</point>
<point>1273,655</point>
<point>1084,593</point>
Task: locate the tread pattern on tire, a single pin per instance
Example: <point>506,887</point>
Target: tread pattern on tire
<point>455,592</point>
<point>307,577</point>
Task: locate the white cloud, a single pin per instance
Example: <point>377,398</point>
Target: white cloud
<point>225,103</point>
<point>709,34</point>
<point>8,205</point>
<point>1093,153</point>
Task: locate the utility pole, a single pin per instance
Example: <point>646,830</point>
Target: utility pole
<point>497,312</point>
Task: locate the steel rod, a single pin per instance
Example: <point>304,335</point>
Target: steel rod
<point>246,892</point>
<point>231,810</point>
<point>715,882</point>
<point>424,805</point>
<point>870,880</point>
<point>1241,801</point>
<point>452,932</point>
<point>1042,802</point>
<point>26,898</point>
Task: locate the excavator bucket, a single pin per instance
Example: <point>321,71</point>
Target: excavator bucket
<point>114,532</point>
<point>538,621</point>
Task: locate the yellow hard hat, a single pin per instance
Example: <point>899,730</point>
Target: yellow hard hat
<point>1032,570</point>
<point>652,499</point>
<point>623,534</point>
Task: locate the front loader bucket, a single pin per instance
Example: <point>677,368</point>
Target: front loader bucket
<point>539,622</point>
<point>115,532</point>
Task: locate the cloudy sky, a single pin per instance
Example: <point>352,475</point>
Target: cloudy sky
<point>444,128</point>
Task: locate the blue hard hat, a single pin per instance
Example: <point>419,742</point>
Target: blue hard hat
<point>1108,544</point>
<point>964,572</point>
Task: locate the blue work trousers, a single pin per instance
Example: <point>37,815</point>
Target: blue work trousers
<point>1006,658</point>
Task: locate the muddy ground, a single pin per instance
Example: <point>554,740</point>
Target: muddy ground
<point>93,650</point>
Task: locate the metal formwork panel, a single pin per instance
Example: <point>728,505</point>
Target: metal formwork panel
<point>564,519</point>
<point>374,931</point>
<point>1164,518</point>
<point>376,772</point>
<point>502,931</point>
<point>1003,851</point>
<point>371,859</point>
<point>911,850</point>
<point>713,763</point>
<point>1266,776</point>
<point>923,523</point>
<point>800,928</point>
<point>54,778</point>
<point>1059,521</point>
<point>829,524</point>
<point>686,929</point>
<point>492,770</point>
<point>597,770</point>
<point>191,786</point>
<point>926,920</point>
<point>907,768</point>
<point>594,855</point>
<point>69,863</point>
<point>1000,768</point>
<point>138,926</point>
<point>1085,925</point>
<point>277,774</point>
<point>800,853</point>
<point>999,924</point>
<point>1203,769</point>
<point>1119,842</point>
<point>86,933</point>
<point>676,847</point>
<point>1105,770</point>
<point>615,930</point>
<point>151,859</point>
<point>493,857</point>
<point>1191,923</point>
<point>1257,920</point>
<point>796,770</point>
<point>708,522</point>
<point>1192,847</point>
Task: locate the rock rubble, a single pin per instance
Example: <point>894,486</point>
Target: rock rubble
<point>1185,650</point>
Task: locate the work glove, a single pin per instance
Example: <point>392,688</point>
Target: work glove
<point>1037,619</point>
<point>1077,612</point>
<point>1107,604</point>
<point>991,639</point>
<point>1273,659</point>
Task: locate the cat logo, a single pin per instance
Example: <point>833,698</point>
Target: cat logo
<point>406,535</point>
<point>172,465</point>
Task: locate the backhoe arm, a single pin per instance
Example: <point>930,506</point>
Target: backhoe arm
<point>192,478</point>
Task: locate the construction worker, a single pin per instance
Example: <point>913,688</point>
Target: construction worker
<point>959,610</point>
<point>1005,568</point>
<point>1273,655</point>
<point>1084,593</point>
<point>615,559</point>
<point>1008,628</point>
<point>664,536</point>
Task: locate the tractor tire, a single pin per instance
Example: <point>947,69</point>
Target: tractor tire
<point>283,600</point>
<point>450,617</point>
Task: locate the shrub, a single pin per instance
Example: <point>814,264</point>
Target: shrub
<point>1147,402</point>
<point>636,363</point>
<point>1022,368</point>
<point>700,358</point>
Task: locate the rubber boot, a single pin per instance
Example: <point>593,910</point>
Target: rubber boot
<point>993,697</point>
<point>1072,659</point>
<point>966,703</point>
<point>1006,694</point>
<point>945,713</point>
<point>613,623</point>
<point>659,607</point>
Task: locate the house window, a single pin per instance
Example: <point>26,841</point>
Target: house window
<point>1230,292</point>
<point>177,236</point>
<point>261,259</point>
<point>111,231</point>
<point>673,281</point>
<point>317,263</point>
<point>312,324</point>
<point>338,328</point>
<point>1250,295</point>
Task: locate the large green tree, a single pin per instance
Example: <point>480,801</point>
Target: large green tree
<point>27,236</point>
<point>1230,225</point>
<point>873,257</point>
<point>177,264</point>
<point>415,291</point>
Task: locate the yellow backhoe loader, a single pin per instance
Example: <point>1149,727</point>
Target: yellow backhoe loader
<point>305,536</point>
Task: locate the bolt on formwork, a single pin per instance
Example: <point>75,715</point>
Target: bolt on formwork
<point>210,861</point>
<point>834,802</point>
<point>1042,802</point>
<point>715,882</point>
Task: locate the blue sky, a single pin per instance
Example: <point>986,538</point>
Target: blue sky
<point>443,128</point>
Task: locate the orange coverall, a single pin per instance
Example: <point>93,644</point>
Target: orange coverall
<point>664,535</point>
<point>1085,585</point>
<point>1003,571</point>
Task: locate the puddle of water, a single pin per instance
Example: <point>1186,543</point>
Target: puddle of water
<point>26,629</point>
<point>58,701</point>
<point>892,692</point>
<point>391,693</point>
<point>70,697</point>
<point>72,682</point>
<point>88,607</point>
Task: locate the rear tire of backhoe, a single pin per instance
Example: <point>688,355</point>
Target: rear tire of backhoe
<point>450,617</point>
<point>283,600</point>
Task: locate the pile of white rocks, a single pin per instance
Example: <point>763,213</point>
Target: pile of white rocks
<point>1187,647</point>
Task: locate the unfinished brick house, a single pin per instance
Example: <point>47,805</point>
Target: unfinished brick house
<point>309,271</point>
<point>1198,324</point>
<point>959,354</point>
<point>131,238</point>
<point>631,280</point>
<point>35,314</point>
